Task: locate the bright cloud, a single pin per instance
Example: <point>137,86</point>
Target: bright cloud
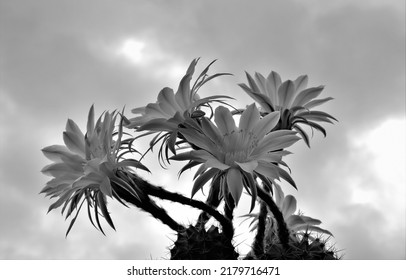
<point>132,49</point>
<point>383,155</point>
<point>386,146</point>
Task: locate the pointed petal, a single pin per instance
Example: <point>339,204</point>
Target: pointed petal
<point>138,110</point>
<point>261,83</point>
<point>202,180</point>
<point>285,175</point>
<point>306,95</point>
<point>75,141</point>
<point>312,229</point>
<point>266,124</point>
<point>274,82</point>
<point>310,221</point>
<point>167,102</point>
<point>249,118</point>
<point>103,207</point>
<point>248,166</point>
<point>211,131</point>
<point>276,140</point>
<point>234,183</point>
<point>253,84</point>
<point>62,169</point>
<point>183,94</point>
<point>317,116</point>
<point>252,186</point>
<point>317,102</point>
<point>158,124</point>
<point>90,122</point>
<point>301,83</point>
<point>198,139</point>
<point>303,134</point>
<point>288,206</point>
<point>224,120</point>
<point>286,93</point>
<point>278,195</point>
<point>105,187</point>
<point>214,162</point>
<point>263,100</point>
<point>59,153</point>
<point>268,170</point>
<point>132,163</point>
<point>153,111</point>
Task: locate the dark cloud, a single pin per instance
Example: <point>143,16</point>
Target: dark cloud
<point>57,59</point>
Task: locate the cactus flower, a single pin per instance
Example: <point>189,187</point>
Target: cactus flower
<point>84,169</point>
<point>292,99</point>
<point>236,155</point>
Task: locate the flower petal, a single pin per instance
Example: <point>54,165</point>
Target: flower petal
<point>198,139</point>
<point>268,170</point>
<point>74,138</point>
<point>224,120</point>
<point>59,153</point>
<point>288,206</point>
<point>235,184</point>
<point>249,118</point>
<point>286,93</point>
<point>90,122</point>
<point>266,124</point>
<point>301,83</point>
<point>317,102</point>
<point>248,166</point>
<point>183,94</point>
<point>61,169</point>
<point>274,82</point>
<point>211,131</point>
<point>167,102</point>
<point>278,195</point>
<point>214,162</point>
<point>158,124</point>
<point>105,187</point>
<point>264,101</point>
<point>203,179</point>
<point>306,95</point>
<point>276,140</point>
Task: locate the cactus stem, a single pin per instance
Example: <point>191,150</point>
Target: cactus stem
<point>283,232</point>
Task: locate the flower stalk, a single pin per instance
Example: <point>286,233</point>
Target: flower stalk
<point>283,231</point>
<point>258,245</point>
<point>161,193</point>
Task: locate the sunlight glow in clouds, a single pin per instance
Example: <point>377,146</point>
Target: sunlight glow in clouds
<point>132,49</point>
<point>143,52</point>
<point>385,146</point>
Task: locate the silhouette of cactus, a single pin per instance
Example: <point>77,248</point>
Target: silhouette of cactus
<point>200,244</point>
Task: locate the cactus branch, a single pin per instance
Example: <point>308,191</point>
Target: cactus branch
<point>283,232</point>
<point>258,245</point>
<point>213,201</point>
<point>148,205</point>
<point>229,208</point>
<point>160,192</point>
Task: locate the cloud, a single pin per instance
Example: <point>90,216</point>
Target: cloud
<point>59,58</point>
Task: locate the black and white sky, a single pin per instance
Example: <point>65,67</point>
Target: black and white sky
<point>57,58</point>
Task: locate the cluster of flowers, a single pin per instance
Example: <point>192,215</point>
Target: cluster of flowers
<point>230,156</point>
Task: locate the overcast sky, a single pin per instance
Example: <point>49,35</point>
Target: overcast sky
<point>57,58</point>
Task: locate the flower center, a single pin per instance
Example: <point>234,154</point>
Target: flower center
<point>238,145</point>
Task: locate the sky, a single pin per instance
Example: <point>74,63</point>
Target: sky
<point>57,58</point>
